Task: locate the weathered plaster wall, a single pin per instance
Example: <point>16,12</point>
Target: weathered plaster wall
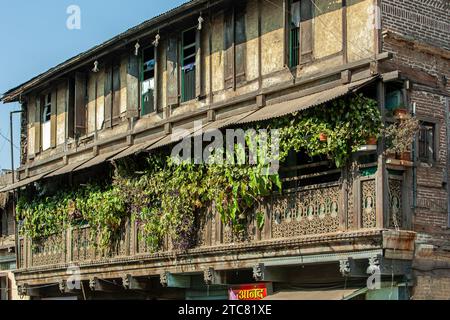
<point>272,36</point>
<point>61,113</point>
<point>31,124</point>
<point>360,29</point>
<point>327,30</point>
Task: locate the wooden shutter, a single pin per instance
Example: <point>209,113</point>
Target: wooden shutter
<point>80,104</point>
<point>116,93</point>
<point>133,87</point>
<point>156,90</point>
<point>37,126</point>
<point>306,31</point>
<point>240,39</point>
<point>198,64</point>
<point>229,49</point>
<point>53,122</point>
<point>172,72</point>
<point>71,108</point>
<point>108,97</point>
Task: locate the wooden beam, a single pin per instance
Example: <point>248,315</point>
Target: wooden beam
<point>131,283</point>
<point>213,277</point>
<point>97,284</point>
<point>269,274</point>
<point>170,280</point>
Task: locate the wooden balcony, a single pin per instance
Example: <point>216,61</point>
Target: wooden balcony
<point>339,216</point>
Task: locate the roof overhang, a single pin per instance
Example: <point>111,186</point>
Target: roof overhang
<point>133,34</point>
<point>270,111</point>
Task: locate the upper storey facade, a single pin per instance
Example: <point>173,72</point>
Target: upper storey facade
<point>201,56</point>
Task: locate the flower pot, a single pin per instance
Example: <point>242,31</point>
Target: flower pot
<point>391,155</point>
<point>372,141</point>
<point>405,156</point>
<point>401,113</point>
<point>323,137</point>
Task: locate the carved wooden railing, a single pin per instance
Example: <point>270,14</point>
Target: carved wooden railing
<point>311,210</point>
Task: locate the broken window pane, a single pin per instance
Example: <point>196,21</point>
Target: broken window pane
<point>148,81</point>
<point>294,34</point>
<point>188,64</point>
<point>295,14</point>
<point>46,123</point>
<point>47,110</point>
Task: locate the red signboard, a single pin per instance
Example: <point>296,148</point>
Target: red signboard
<point>248,292</point>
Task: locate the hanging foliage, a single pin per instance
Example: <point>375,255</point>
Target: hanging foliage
<point>168,198</point>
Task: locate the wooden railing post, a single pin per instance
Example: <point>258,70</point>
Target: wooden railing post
<point>133,238</point>
<point>68,245</point>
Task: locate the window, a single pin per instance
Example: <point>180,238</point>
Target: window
<point>116,90</point>
<point>427,142</point>
<point>112,94</point>
<point>300,32</point>
<point>148,81</point>
<point>46,121</point>
<point>188,58</point>
<point>47,109</point>
<point>235,47</point>
<point>294,34</point>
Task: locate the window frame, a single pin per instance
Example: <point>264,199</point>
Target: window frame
<point>44,113</point>
<point>235,80</point>
<point>302,58</point>
<point>46,105</point>
<point>141,80</point>
<point>183,97</point>
<point>434,158</point>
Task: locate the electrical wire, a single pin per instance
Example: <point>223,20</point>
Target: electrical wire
<point>8,140</point>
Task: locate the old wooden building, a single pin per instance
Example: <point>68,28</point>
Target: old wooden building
<point>8,290</point>
<point>229,63</point>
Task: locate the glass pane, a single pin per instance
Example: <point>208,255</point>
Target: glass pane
<point>147,89</point>
<point>295,14</point>
<point>240,28</point>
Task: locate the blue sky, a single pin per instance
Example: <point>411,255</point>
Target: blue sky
<point>34,38</point>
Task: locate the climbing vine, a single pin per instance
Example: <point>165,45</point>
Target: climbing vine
<point>168,198</point>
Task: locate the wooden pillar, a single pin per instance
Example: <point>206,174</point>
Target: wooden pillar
<point>382,174</point>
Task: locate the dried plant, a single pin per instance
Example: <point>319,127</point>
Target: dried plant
<point>401,135</point>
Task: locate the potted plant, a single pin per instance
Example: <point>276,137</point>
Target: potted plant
<point>401,136</point>
<point>401,113</point>
<point>323,137</point>
<point>372,141</point>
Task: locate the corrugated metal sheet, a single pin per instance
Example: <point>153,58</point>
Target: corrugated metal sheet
<point>67,169</point>
<point>284,108</point>
<point>224,122</point>
<point>136,148</point>
<point>176,136</point>
<point>24,182</point>
<point>218,124</point>
<point>100,159</point>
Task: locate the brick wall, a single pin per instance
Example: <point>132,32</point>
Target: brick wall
<point>424,20</point>
<point>419,31</point>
